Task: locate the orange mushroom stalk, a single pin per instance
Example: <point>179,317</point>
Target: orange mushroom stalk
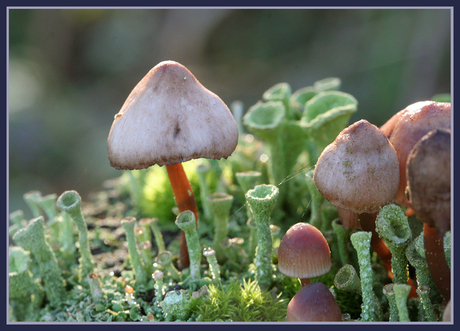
<point>169,118</point>
<point>185,200</point>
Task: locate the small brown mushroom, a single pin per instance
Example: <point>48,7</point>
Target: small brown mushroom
<point>407,126</point>
<point>304,253</point>
<point>428,174</point>
<point>313,303</point>
<point>169,118</point>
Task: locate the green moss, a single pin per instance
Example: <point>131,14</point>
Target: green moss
<point>241,302</point>
<point>158,198</point>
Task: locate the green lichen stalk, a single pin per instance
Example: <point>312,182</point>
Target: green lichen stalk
<point>419,263</point>
<point>247,180</point>
<point>24,294</point>
<point>347,279</point>
<point>70,202</point>
<point>202,171</point>
<point>186,222</point>
<point>158,277</point>
<point>157,235</point>
<point>32,238</point>
<point>390,295</point>
<point>361,241</point>
<point>427,310</point>
<point>141,275</point>
<point>219,205</point>
<point>164,259</point>
<point>343,238</point>
<point>66,237</point>
<point>95,285</point>
<point>210,255</point>
<point>251,223</point>
<point>401,295</point>
<point>316,202</point>
<point>32,198</point>
<point>392,226</point>
<point>48,205</point>
<point>262,200</point>
<point>265,120</point>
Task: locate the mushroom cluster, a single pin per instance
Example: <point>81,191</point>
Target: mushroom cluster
<point>167,119</point>
<point>406,161</point>
<point>304,253</point>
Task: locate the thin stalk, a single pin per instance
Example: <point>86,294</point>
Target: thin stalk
<point>185,200</point>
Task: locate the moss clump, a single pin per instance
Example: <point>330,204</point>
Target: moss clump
<point>246,302</point>
<point>157,199</point>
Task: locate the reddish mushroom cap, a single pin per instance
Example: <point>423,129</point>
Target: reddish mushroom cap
<point>313,302</point>
<point>304,252</point>
<point>408,126</point>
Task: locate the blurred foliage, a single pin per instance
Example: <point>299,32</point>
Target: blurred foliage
<point>70,70</point>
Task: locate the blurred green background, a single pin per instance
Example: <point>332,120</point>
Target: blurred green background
<point>70,71</point>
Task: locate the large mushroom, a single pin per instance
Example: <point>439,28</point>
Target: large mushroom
<point>359,172</point>
<point>167,119</point>
<point>407,127</point>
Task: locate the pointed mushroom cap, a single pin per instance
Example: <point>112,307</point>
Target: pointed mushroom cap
<point>304,252</point>
<point>359,170</point>
<point>169,118</point>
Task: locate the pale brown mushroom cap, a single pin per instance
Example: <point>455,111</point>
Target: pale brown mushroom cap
<point>169,118</point>
<point>304,252</point>
<point>407,126</point>
<point>359,170</point>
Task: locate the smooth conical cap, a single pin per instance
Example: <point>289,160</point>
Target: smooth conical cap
<point>170,118</point>
<point>304,252</point>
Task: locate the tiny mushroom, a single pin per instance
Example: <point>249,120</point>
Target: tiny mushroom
<point>429,186</point>
<point>169,118</point>
<point>407,126</point>
<point>313,303</point>
<point>304,253</point>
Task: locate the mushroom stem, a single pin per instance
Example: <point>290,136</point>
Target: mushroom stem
<point>304,281</point>
<point>185,200</point>
<point>436,260</point>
